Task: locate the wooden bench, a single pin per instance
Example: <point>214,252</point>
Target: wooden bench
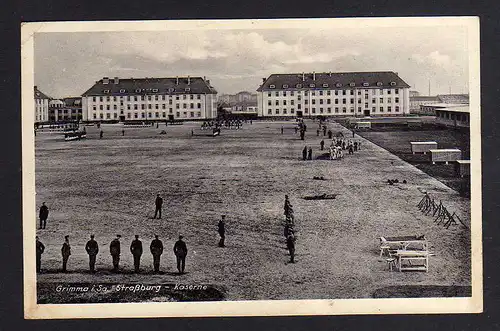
<point>405,258</point>
<point>445,155</point>
<point>422,146</point>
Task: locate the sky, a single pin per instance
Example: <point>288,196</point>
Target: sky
<point>69,63</point>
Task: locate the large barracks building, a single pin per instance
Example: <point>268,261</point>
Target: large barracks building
<point>132,99</point>
<point>333,94</point>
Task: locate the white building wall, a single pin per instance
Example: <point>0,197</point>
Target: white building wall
<point>383,102</point>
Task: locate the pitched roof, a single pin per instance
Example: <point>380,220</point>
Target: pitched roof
<point>380,79</point>
<point>40,95</point>
<point>134,86</point>
<point>454,98</point>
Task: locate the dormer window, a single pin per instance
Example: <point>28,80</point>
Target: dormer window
<point>285,86</point>
<point>138,90</point>
<point>325,85</point>
<point>122,91</point>
<point>106,91</point>
<point>366,84</point>
<point>379,83</point>
<point>338,85</point>
<point>155,90</point>
<point>171,89</point>
<point>187,89</point>
<point>352,84</point>
<point>393,83</point>
<point>312,85</point>
<point>298,85</point>
<point>272,86</point>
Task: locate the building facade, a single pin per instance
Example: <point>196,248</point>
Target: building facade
<point>238,98</point>
<point>333,94</point>
<point>452,115</point>
<point>65,110</point>
<point>41,106</point>
<point>417,101</point>
<point>149,99</point>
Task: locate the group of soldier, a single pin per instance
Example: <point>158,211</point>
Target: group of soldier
<point>92,249</point>
<point>230,124</point>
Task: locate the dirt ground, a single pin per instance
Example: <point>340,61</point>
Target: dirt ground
<point>397,141</point>
<point>107,186</point>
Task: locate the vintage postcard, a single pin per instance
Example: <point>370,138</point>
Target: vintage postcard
<point>251,167</point>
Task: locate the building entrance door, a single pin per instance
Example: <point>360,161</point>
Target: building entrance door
<point>367,112</point>
<point>122,118</point>
<point>299,113</point>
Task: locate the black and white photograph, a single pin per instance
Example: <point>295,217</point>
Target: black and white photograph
<point>251,167</point>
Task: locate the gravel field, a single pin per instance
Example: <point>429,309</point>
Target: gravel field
<point>108,186</point>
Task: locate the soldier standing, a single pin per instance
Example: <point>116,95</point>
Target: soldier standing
<point>290,244</point>
<point>304,153</point>
<point>123,132</point>
<point>136,250</point>
<point>114,249</point>
<point>156,248</point>
<point>222,231</point>
<point>322,144</point>
<point>282,129</point>
<point>43,215</point>
<point>101,133</point>
<point>158,204</point>
<point>66,252</point>
<point>92,248</point>
<point>40,248</point>
<point>180,251</point>
<point>288,210</point>
<point>310,153</point>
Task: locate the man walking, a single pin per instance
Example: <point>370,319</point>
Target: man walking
<point>309,154</point>
<point>123,132</point>
<point>322,144</point>
<point>92,248</point>
<point>114,249</point>
<point>290,244</point>
<point>101,133</point>
<point>282,129</point>
<point>156,249</point>
<point>40,248</point>
<point>158,204</point>
<point>43,215</point>
<point>66,252</point>
<point>222,230</point>
<point>304,153</point>
<point>180,251</point>
<point>136,250</point>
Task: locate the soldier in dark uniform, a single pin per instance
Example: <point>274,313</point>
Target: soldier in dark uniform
<point>282,129</point>
<point>287,230</point>
<point>322,144</point>
<point>330,134</point>
<point>290,244</point>
<point>304,153</point>
<point>324,130</point>
<point>309,154</point>
<point>136,250</point>
<point>66,252</point>
<point>101,133</point>
<point>222,230</point>
<point>114,249</point>
<point>123,132</point>
<point>92,248</point>
<point>355,146</point>
<point>158,204</point>
<point>40,248</point>
<point>180,251</point>
<point>156,248</point>
<point>43,215</point>
<point>317,132</point>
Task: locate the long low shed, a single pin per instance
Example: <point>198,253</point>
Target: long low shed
<point>422,146</point>
<point>462,168</point>
<point>363,125</point>
<point>445,155</point>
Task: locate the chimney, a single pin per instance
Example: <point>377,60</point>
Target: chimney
<point>117,80</point>
<point>189,80</point>
<point>263,80</point>
<point>177,80</point>
<point>314,75</point>
<point>330,74</point>
<point>303,77</point>
<point>105,80</point>
<point>208,82</point>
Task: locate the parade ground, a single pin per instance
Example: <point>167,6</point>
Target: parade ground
<point>108,186</point>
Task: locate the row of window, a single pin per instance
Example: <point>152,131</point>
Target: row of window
<point>154,90</point>
<point>329,101</point>
<point>351,84</point>
<point>149,115</point>
<point>328,110</point>
<point>149,106</point>
<point>329,92</point>
<point>146,97</point>
<point>453,116</point>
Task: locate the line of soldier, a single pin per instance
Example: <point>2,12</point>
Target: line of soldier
<point>92,249</point>
<point>289,232</point>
